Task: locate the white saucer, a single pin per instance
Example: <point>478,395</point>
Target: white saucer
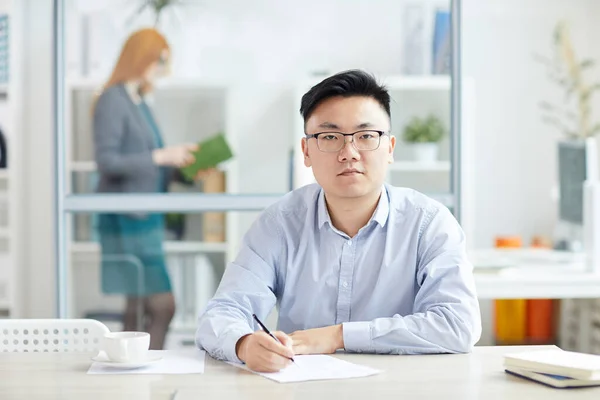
<point>103,360</point>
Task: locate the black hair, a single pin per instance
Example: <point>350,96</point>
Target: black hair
<point>346,84</point>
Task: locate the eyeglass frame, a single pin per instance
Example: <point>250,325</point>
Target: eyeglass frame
<point>316,136</point>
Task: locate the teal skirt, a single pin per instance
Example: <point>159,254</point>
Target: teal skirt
<point>133,258</point>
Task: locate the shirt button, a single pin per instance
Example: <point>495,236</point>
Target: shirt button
<point>345,284</point>
<point>349,242</point>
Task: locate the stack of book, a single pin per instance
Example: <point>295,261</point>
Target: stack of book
<point>555,367</point>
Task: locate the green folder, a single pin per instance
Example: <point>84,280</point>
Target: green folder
<point>211,152</point>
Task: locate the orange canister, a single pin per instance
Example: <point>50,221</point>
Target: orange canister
<point>540,312</point>
<point>510,315</point>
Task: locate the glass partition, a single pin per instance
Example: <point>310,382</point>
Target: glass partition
<point>239,69</point>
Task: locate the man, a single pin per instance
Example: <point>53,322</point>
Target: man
<point>353,263</point>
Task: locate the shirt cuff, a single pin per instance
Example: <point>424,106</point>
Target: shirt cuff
<point>357,336</point>
<point>231,341</point>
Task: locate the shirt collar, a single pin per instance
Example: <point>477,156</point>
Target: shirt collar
<point>132,91</point>
<point>380,215</point>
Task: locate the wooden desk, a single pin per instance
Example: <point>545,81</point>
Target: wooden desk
<point>466,376</point>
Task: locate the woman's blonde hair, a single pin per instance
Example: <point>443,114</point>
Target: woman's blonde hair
<point>141,49</point>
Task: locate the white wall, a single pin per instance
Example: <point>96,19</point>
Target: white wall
<point>515,153</point>
<point>37,272</point>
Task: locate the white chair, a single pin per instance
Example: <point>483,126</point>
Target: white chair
<point>51,335</point>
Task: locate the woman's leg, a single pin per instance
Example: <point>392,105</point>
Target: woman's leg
<point>160,308</point>
<point>132,309</point>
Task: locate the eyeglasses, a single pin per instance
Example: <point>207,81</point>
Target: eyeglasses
<point>332,142</point>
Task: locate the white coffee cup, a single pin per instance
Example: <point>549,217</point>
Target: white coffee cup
<point>126,346</point>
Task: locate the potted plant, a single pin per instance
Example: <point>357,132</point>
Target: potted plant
<point>572,117</point>
<point>423,136</point>
<point>157,7</point>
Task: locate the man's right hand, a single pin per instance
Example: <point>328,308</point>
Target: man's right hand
<point>263,354</point>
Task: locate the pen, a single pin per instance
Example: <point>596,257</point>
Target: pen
<point>268,333</point>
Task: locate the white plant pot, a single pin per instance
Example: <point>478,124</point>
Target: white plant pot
<point>424,152</point>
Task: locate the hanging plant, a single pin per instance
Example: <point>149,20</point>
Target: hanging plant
<point>158,7</point>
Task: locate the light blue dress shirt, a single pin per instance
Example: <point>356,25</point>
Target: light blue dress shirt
<point>402,285</point>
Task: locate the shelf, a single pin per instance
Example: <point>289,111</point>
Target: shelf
<point>190,84</point>
<point>426,82</point>
<point>90,166</point>
<point>402,82</point>
<point>170,247</point>
<point>166,84</point>
<point>438,166</point>
<point>83,166</point>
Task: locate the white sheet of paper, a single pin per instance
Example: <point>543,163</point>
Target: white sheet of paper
<point>172,362</point>
<point>316,367</point>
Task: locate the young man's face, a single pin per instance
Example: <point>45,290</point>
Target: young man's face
<point>346,169</point>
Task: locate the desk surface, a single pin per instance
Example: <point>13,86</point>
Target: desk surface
<point>478,375</point>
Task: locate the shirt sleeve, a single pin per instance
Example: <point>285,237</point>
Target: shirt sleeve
<point>446,316</point>
<point>247,287</point>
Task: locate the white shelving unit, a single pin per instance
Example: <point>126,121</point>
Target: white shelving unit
<point>83,166</point>
<point>187,111</point>
<point>10,186</point>
<point>414,96</point>
<point>172,247</point>
<point>414,166</point>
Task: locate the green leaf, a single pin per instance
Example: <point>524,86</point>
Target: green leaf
<point>594,87</point>
<point>424,130</point>
<point>589,91</point>
<point>158,5</point>
<point>587,64</point>
<point>557,35</point>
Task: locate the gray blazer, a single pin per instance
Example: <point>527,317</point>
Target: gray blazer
<point>124,142</point>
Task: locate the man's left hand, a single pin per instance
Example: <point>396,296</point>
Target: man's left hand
<point>318,341</point>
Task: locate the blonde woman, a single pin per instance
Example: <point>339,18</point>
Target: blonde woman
<point>132,158</point>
